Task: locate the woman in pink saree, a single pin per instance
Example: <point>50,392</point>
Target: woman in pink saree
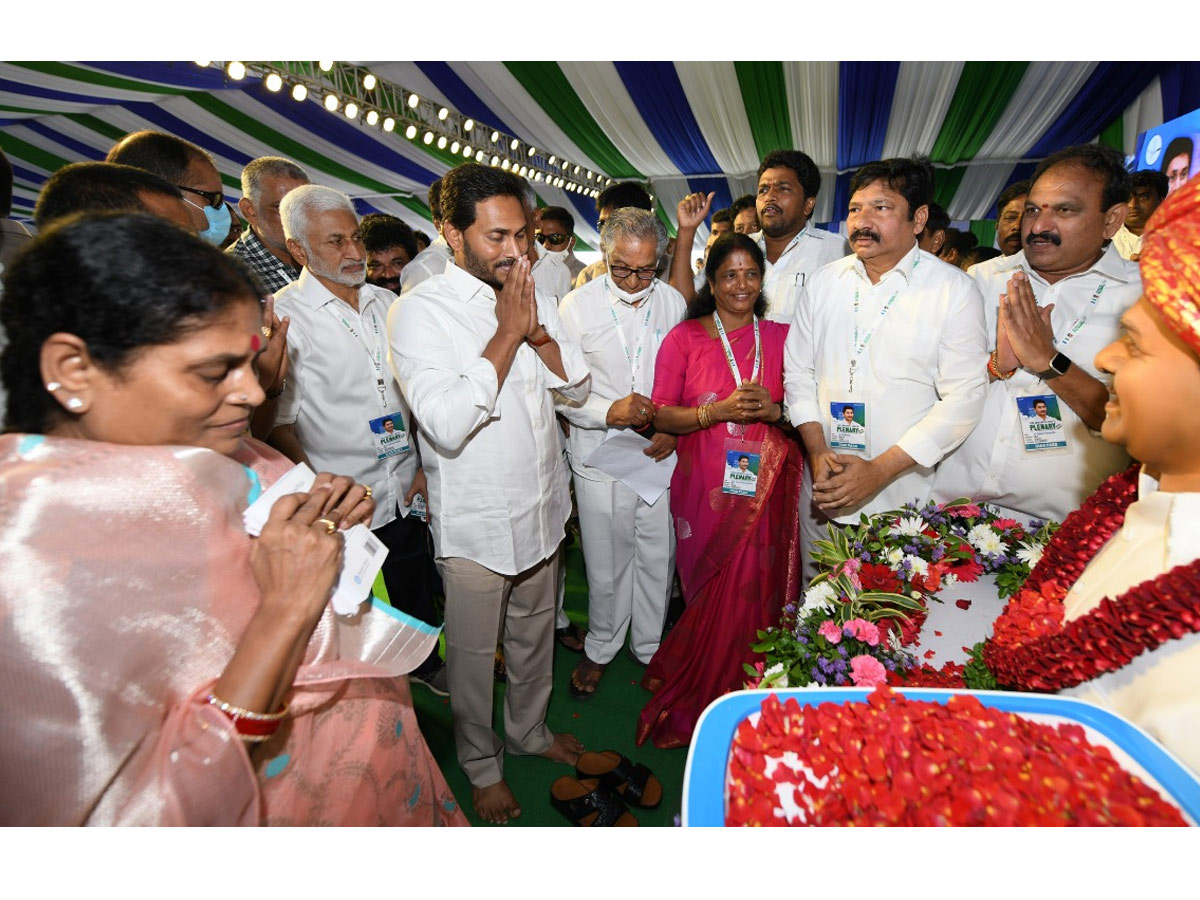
<point>157,664</point>
<point>735,492</point>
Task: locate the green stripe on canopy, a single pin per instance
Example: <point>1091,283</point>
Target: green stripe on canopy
<point>549,87</point>
<point>764,93</point>
<point>26,152</point>
<point>97,125</point>
<point>983,92</point>
<point>1113,134</point>
<point>946,184</point>
<point>103,79</point>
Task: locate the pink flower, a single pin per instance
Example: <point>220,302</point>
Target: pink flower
<point>1005,523</point>
<point>867,671</point>
<point>966,511</point>
<point>863,630</point>
<point>830,631</point>
<point>850,568</point>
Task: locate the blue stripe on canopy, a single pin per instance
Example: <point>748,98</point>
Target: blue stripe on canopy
<point>1109,90</point>
<point>172,124</point>
<point>586,208</point>
<point>1020,172</point>
<point>660,99</point>
<point>64,140</point>
<point>343,134</point>
<point>20,89</point>
<point>461,97</point>
<point>179,74</point>
<point>865,91</point>
<point>720,186</point>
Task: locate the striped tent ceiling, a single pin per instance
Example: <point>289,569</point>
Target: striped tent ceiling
<point>681,126</point>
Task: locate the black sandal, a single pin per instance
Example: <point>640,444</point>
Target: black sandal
<point>587,804</point>
<point>634,782</point>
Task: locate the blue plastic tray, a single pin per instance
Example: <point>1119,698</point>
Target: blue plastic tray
<point>708,758</point>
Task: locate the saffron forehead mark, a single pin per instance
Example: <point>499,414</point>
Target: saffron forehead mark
<point>256,342</point>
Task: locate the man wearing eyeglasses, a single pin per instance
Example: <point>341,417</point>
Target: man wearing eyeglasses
<point>618,196</point>
<point>620,319</point>
<point>187,167</point>
<point>555,236</point>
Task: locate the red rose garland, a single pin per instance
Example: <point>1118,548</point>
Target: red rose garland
<point>1031,649</point>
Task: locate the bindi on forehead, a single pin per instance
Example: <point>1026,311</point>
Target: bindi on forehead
<point>256,342</point>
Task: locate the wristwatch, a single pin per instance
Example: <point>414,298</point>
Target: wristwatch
<point>1058,366</point>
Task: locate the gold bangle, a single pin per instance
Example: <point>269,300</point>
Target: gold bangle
<point>238,712</point>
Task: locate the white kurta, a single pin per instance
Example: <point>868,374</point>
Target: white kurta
<point>1159,690</point>
<point>628,545</point>
<point>786,277</point>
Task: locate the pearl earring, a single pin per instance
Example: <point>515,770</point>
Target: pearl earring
<point>53,386</point>
<point>75,404</point>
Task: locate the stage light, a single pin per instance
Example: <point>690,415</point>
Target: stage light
<point>577,170</point>
<point>389,123</point>
<point>204,63</point>
<point>530,152</point>
<point>552,159</point>
<point>514,145</point>
<point>369,82</point>
<point>372,117</point>
<point>428,139</point>
<point>442,113</point>
<point>479,156</point>
<point>299,92</point>
<point>495,136</point>
<point>413,101</point>
<point>589,174</point>
<point>468,125</point>
<point>410,132</point>
<point>352,110</point>
<point>332,102</point>
<point>273,82</point>
<point>504,164</point>
<point>442,142</point>
<point>325,65</point>
<point>236,71</point>
<point>467,151</point>
<point>455,147</point>
<point>495,160</point>
<point>524,171</point>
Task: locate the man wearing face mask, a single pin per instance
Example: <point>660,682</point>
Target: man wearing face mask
<point>187,167</point>
<point>555,236</point>
<point>620,320</point>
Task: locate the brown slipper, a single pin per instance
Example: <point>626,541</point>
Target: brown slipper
<point>588,804</point>
<point>634,782</point>
<point>585,678</point>
<point>570,638</point>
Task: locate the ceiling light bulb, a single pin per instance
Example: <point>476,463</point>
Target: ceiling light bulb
<point>389,124</point>
<point>332,102</point>
<point>495,136</point>
<point>479,156</point>
<point>299,92</point>
<point>410,132</point>
<point>531,151</point>
<point>372,117</point>
<point>442,113</point>
<point>428,139</point>
<point>467,151</point>
<point>442,142</point>
<point>504,165</point>
<point>204,63</point>
<point>468,125</point>
<point>455,147</point>
<point>325,65</point>
<point>236,70</point>
<point>514,145</point>
<point>495,160</point>
<point>352,110</point>
<point>369,82</point>
<point>413,101</point>
<point>552,159</point>
<point>273,82</point>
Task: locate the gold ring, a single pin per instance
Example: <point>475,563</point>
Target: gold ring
<point>330,525</point>
<point>367,490</point>
<point>642,411</point>
<point>267,331</point>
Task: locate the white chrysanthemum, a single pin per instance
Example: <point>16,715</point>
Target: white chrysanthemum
<point>909,525</point>
<point>775,676</point>
<point>894,555</point>
<point>916,565</point>
<point>948,579</point>
<point>1030,554</point>
<point>819,596</point>
<point>985,540</point>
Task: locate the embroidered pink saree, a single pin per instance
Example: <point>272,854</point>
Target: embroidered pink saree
<point>738,557</point>
<point>126,586</point>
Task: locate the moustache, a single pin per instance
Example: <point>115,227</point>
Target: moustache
<point>865,233</point>
<point>507,263</point>
<point>1044,236</point>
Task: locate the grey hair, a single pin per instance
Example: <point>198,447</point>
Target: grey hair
<point>631,222</point>
<point>268,167</point>
<point>528,193</point>
<point>300,205</point>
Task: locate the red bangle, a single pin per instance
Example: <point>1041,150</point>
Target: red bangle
<point>994,370</point>
<point>250,726</point>
<point>543,342</point>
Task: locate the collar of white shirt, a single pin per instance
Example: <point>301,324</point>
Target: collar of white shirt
<point>904,268</point>
<point>1110,265</point>
<point>805,232</point>
<point>315,295</point>
<point>466,287</point>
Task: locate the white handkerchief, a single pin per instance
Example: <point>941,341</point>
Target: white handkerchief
<point>621,457</point>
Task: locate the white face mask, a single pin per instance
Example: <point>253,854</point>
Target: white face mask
<point>628,297</point>
<point>552,254</point>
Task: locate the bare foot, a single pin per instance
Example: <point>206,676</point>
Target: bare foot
<point>495,803</point>
<point>565,749</point>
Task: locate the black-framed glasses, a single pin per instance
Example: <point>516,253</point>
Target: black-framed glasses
<point>622,272</point>
<point>555,238</point>
<point>215,198</point>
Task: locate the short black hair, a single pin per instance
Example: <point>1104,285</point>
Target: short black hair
<point>96,187</point>
<point>962,241</point>
<point>1011,193</point>
<point>980,254</point>
<point>799,162</point>
<point>726,244</point>
<point>851,408</point>
<point>119,281</point>
<point>1152,179</point>
<point>421,236</point>
<point>165,155</point>
<point>912,178</point>
<point>723,215</point>
<point>380,232</point>
<point>558,214</point>
<point>746,201</point>
<point>939,219</point>
<point>435,199</point>
<point>743,456</point>
<point>1104,161</point>
<point>6,185</point>
<point>623,194</point>
<point>1177,146</point>
<point>465,186</point>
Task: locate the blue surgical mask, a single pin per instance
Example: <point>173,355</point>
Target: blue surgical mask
<point>218,223</point>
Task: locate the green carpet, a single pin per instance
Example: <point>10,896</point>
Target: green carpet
<point>605,722</point>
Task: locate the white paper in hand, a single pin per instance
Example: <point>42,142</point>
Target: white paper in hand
<point>296,481</point>
<point>622,456</point>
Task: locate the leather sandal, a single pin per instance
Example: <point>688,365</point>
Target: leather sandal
<point>570,637</point>
<point>635,783</point>
<point>588,804</point>
<point>588,674</point>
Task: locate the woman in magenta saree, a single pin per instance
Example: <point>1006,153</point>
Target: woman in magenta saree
<point>738,554</point>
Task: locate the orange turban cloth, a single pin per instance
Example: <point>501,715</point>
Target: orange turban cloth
<point>1170,262</point>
